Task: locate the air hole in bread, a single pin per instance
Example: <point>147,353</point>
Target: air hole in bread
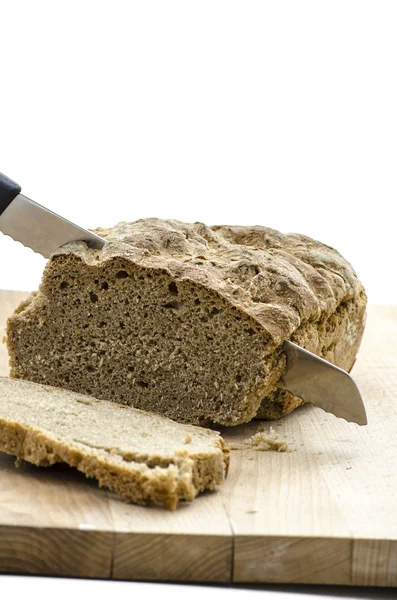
<point>142,384</point>
<point>173,288</point>
<point>122,275</point>
<point>174,304</point>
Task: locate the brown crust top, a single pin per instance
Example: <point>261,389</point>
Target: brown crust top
<point>279,280</point>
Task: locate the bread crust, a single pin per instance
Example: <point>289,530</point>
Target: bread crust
<point>284,286</point>
<point>161,476</point>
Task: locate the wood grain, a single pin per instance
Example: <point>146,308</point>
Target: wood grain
<point>291,559</point>
<point>53,551</point>
<point>324,513</point>
<point>183,557</point>
<point>193,543</point>
<point>375,563</point>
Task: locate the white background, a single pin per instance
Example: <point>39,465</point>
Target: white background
<point>278,113</point>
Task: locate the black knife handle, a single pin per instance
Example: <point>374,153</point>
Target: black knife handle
<point>9,190</point>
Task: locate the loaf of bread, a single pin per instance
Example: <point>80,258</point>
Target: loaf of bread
<point>187,320</point>
<point>143,457</point>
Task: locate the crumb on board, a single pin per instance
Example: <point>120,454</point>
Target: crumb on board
<point>263,441</point>
<point>18,462</point>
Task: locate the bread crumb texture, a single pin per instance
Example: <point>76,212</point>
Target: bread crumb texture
<point>263,441</point>
<point>187,320</point>
<point>142,457</point>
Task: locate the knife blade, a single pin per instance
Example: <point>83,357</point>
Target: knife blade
<point>308,376</point>
<point>35,226</point>
<point>323,384</point>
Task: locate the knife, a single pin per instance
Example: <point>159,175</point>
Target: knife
<point>307,376</point>
<point>323,384</point>
<point>35,226</point>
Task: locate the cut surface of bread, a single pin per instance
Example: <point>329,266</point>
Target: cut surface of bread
<point>143,457</point>
<point>187,320</point>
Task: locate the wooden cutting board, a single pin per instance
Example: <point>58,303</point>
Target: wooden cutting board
<point>324,513</point>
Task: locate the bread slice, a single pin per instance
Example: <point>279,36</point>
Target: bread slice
<point>187,320</point>
<point>143,457</point>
